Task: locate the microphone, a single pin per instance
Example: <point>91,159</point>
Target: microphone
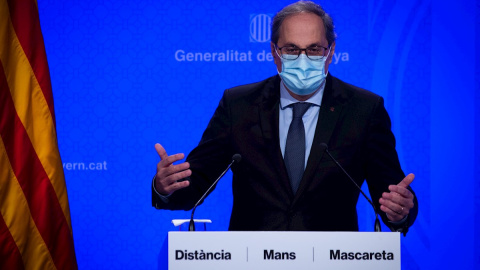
<point>378,228</point>
<point>235,158</point>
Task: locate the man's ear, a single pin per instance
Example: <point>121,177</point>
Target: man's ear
<point>332,51</point>
<point>330,57</point>
<point>276,58</point>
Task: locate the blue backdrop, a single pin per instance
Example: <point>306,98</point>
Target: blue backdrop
<point>128,74</point>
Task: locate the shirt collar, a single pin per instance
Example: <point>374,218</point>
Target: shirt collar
<point>286,99</point>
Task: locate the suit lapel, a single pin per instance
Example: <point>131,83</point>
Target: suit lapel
<point>330,111</point>
<point>268,114</point>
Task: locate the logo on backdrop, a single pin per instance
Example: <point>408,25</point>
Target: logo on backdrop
<point>260,30</point>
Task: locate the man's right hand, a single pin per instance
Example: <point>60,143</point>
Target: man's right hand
<point>168,174</point>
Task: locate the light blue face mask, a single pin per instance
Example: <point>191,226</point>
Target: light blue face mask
<point>303,76</point>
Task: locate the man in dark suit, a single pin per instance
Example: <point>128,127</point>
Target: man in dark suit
<point>285,180</point>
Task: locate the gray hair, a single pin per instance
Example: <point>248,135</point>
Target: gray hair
<point>303,7</point>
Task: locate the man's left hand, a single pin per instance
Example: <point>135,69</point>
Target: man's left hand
<point>398,202</point>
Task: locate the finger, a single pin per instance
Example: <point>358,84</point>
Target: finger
<point>163,184</point>
<point>394,207</point>
<point>167,180</point>
<point>178,185</point>
<point>167,161</point>
<point>390,214</point>
<point>398,200</point>
<point>393,197</point>
<point>172,169</point>
<point>407,180</point>
<point>161,151</point>
<point>404,192</point>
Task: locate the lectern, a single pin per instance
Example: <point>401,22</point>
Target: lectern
<point>283,250</point>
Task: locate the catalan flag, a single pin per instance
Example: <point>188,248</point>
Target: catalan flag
<point>35,225</point>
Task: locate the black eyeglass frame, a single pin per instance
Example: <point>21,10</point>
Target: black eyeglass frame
<point>293,57</point>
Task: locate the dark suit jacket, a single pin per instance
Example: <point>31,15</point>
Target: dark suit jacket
<point>352,122</point>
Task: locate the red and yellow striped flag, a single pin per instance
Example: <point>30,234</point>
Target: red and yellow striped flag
<point>35,225</point>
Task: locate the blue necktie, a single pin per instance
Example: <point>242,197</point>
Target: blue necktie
<point>295,146</point>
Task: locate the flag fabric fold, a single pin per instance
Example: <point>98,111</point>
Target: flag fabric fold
<point>35,225</point>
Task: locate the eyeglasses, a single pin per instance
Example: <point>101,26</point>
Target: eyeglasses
<point>291,52</point>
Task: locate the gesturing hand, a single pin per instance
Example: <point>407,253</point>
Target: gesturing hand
<point>398,202</point>
<point>168,174</point>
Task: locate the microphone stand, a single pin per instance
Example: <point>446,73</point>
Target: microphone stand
<point>235,158</point>
<point>378,227</point>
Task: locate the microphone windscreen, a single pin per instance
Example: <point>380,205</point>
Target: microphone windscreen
<point>237,158</point>
<point>324,146</point>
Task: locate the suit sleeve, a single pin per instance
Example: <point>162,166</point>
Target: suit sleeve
<point>207,161</point>
<point>383,167</point>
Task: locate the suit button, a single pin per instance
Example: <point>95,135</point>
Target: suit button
<point>291,217</point>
